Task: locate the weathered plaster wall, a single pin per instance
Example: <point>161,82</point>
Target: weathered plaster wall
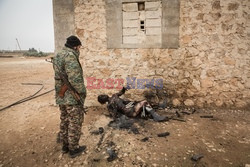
<point>210,68</point>
<point>64,22</point>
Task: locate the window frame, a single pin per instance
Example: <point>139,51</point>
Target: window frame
<point>170,24</point>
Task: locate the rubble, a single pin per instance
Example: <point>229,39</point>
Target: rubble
<point>206,116</point>
<point>163,134</point>
<point>196,157</point>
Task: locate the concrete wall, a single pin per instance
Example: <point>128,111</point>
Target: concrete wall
<point>64,23</point>
<point>210,68</point>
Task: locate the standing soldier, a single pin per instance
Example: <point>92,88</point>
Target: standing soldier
<point>70,95</point>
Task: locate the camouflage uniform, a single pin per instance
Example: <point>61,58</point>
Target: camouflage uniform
<point>72,113</point>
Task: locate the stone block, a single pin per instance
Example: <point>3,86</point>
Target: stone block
<point>247,84</point>
<point>196,62</point>
<point>130,15</point>
<point>229,61</point>
<point>130,23</point>
<point>130,39</point>
<point>196,84</point>
<point>153,31</point>
<point>142,16</point>
<point>186,39</point>
<point>130,31</point>
<point>130,7</point>
<point>153,22</point>
<point>176,102</point>
<point>153,39</point>
<point>152,5</point>
<point>189,102</point>
<point>154,14</point>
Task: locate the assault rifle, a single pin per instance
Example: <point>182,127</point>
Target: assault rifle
<point>66,85</point>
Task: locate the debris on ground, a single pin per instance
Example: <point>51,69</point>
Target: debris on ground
<point>196,157</point>
<point>206,116</point>
<point>112,154</point>
<point>123,122</point>
<point>145,139</point>
<point>185,112</point>
<point>178,119</point>
<point>178,114</point>
<point>163,134</point>
<point>97,132</point>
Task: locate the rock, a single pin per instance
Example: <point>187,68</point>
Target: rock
<point>196,62</point>
<point>240,103</point>
<point>176,102</point>
<point>125,155</point>
<point>229,61</point>
<point>196,157</point>
<point>196,84</point>
<point>193,51</point>
<point>247,84</point>
<point>60,156</point>
<point>219,103</point>
<point>187,39</point>
<point>206,83</point>
<point>189,102</point>
<point>139,158</point>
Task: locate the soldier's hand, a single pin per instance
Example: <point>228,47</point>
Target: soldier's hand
<point>124,88</point>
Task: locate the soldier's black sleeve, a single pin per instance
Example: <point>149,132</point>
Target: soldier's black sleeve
<point>121,92</point>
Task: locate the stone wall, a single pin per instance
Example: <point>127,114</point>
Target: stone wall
<point>210,68</point>
<point>63,14</point>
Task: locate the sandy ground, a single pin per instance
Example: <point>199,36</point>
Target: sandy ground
<point>28,131</point>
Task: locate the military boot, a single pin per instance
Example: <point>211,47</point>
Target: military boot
<point>77,152</point>
<point>155,116</point>
<point>65,149</point>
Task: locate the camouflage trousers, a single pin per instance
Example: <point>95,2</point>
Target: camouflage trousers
<point>71,123</point>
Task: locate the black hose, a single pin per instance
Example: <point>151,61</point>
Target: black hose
<point>29,97</point>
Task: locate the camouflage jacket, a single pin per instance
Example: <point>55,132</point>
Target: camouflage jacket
<point>67,61</point>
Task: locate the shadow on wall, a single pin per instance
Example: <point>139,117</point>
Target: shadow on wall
<point>156,96</point>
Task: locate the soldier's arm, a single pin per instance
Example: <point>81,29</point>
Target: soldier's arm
<point>74,72</point>
<point>121,92</point>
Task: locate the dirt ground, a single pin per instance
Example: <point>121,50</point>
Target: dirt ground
<point>28,131</point>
